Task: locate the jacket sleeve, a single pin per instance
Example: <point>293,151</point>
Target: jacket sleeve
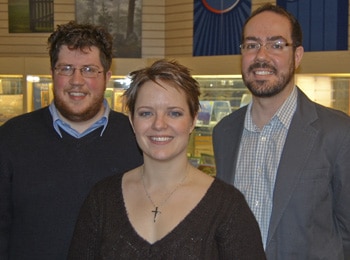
<point>341,188</point>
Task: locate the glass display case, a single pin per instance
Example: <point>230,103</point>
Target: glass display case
<point>220,95</point>
<point>328,90</point>
<point>115,89</point>
<point>11,96</point>
<point>38,91</point>
<point>222,88</point>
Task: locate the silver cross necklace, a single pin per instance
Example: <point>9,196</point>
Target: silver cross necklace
<point>156,210</point>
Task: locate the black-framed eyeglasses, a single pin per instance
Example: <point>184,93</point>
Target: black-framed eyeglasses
<point>273,47</point>
<point>86,71</point>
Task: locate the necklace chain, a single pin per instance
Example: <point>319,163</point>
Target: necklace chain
<point>156,208</point>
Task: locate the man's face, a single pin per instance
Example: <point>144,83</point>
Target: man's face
<point>76,97</point>
<point>268,70</point>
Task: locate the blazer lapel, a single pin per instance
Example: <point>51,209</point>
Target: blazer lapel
<point>229,143</point>
<point>299,142</point>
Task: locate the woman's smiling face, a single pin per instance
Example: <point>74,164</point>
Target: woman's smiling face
<point>162,121</point>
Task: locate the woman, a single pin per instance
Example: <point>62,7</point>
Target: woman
<point>165,209</point>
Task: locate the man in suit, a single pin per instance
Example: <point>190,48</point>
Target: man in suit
<point>289,156</point>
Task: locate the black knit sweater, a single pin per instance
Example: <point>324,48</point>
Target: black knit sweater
<point>221,226</point>
<point>44,179</point>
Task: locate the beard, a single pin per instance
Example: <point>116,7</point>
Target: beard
<point>79,116</point>
<point>264,88</point>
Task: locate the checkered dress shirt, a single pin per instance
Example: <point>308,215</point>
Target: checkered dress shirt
<point>258,160</point>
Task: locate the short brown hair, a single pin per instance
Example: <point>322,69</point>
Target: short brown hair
<point>169,71</point>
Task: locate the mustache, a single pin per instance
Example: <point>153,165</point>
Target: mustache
<point>262,65</point>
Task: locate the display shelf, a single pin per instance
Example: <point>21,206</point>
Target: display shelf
<point>222,88</point>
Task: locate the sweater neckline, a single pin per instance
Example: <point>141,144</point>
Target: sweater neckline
<point>180,230</point>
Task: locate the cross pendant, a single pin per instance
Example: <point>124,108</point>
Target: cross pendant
<point>156,212</point>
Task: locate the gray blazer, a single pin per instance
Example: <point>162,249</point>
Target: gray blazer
<point>311,204</point>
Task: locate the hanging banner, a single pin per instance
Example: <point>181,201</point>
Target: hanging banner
<point>324,22</point>
<point>218,26</point>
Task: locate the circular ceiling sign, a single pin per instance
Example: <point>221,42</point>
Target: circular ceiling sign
<point>220,6</point>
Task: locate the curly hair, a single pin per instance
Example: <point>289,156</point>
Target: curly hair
<point>168,71</point>
<point>81,36</point>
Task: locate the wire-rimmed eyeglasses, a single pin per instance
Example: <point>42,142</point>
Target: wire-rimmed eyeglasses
<point>273,47</point>
<point>86,71</point>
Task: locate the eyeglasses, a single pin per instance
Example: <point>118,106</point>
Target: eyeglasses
<point>275,47</point>
<point>86,71</point>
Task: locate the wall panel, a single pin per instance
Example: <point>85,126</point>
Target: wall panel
<point>153,28</point>
<point>167,29</point>
<point>34,44</point>
<point>178,28</point>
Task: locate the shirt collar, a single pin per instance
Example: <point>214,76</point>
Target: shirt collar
<point>284,114</point>
<point>60,123</point>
